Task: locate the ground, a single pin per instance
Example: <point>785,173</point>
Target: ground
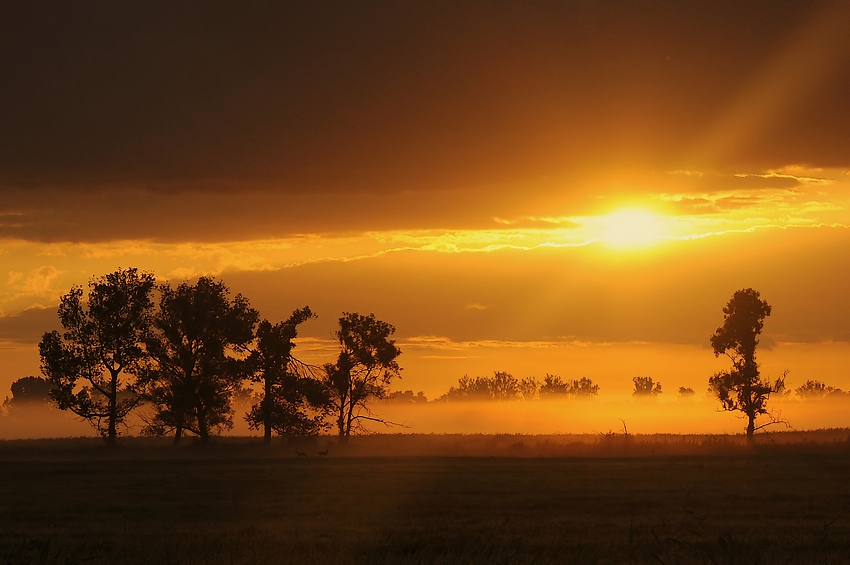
<point>497,499</point>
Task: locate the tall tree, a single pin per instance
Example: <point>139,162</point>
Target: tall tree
<point>741,388</point>
<point>103,340</point>
<point>291,399</point>
<point>364,369</point>
<point>197,357</point>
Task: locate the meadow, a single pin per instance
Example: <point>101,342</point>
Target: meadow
<point>605,498</point>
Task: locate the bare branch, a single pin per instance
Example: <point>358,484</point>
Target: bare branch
<point>387,423</point>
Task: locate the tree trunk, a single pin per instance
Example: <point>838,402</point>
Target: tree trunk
<point>349,419</point>
<point>112,432</point>
<point>178,434</point>
<point>265,406</point>
<point>751,427</point>
<point>203,428</point>
<point>340,422</point>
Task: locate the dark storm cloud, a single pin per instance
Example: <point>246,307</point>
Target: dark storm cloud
<point>222,98</point>
<point>59,214</point>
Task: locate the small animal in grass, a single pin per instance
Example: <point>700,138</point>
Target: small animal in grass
<point>301,453</point>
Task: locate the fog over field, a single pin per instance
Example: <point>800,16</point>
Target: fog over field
<point>598,416</point>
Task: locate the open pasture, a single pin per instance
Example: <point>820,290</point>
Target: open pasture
<point>527,500</point>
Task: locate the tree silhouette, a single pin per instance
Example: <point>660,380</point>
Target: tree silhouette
<point>741,388</point>
<point>686,392</point>
<point>553,385</point>
<point>103,339</point>
<point>407,397</point>
<point>501,386</point>
<point>289,392</point>
<point>364,369</point>
<point>473,388</point>
<point>197,355</point>
<point>29,392</point>
<point>644,386</point>
<point>814,390</point>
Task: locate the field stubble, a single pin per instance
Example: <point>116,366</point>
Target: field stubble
<point>522,499</point>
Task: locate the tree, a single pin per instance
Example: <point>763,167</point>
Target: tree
<point>407,397</point>
<point>528,388</point>
<point>197,357</point>
<point>29,392</point>
<point>686,392</point>
<point>554,385</point>
<point>741,388</point>
<point>469,388</point>
<point>103,340</point>
<point>290,395</point>
<point>815,390</point>
<point>644,386</point>
<point>501,386</point>
<point>582,387</point>
<point>364,369</point>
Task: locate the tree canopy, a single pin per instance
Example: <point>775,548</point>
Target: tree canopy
<point>645,386</point>
<point>554,385</point>
<point>196,362</point>
<point>813,390</point>
<point>29,392</point>
<point>103,340</point>
<point>501,386</point>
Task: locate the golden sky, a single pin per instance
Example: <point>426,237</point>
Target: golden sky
<point>565,187</point>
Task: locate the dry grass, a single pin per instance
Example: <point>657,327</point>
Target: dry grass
<point>526,499</point>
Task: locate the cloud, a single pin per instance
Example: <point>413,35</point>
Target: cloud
<point>577,294</point>
<point>710,182</point>
<point>38,283</point>
<point>531,222</point>
<point>673,294</point>
<point>143,121</point>
<point>29,325</point>
<point>104,215</point>
<point>793,192</point>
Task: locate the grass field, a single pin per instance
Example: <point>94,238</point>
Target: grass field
<point>449,499</point>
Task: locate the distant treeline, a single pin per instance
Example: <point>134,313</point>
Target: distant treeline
<point>503,386</point>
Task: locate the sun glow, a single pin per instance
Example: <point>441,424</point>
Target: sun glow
<point>630,228</point>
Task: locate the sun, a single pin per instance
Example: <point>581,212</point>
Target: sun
<point>630,228</point>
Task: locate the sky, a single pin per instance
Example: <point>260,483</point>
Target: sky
<point>574,187</point>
